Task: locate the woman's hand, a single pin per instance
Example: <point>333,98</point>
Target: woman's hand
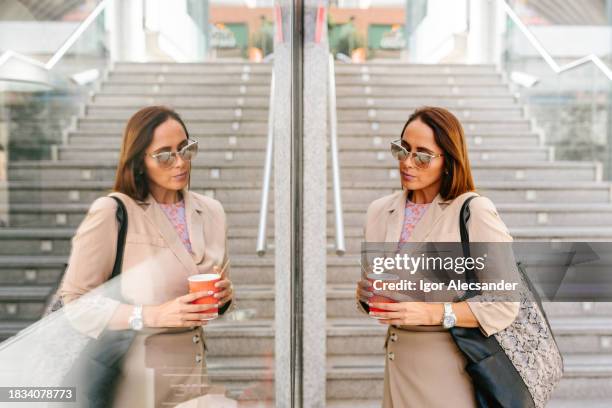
<point>409,313</point>
<point>226,290</point>
<point>178,312</point>
<point>362,294</point>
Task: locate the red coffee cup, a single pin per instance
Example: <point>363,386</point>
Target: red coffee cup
<point>205,282</point>
<point>383,277</point>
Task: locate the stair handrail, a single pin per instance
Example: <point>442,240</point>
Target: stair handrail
<point>267,174</point>
<point>335,161</point>
<point>61,51</point>
<point>546,55</point>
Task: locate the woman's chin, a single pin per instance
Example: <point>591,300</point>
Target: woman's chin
<point>409,185</point>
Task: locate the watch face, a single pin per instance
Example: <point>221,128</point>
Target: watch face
<point>137,324</point>
<point>449,321</point>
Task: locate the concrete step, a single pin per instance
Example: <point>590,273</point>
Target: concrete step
<point>467,108</point>
<point>260,113</point>
<point>226,86</point>
<point>484,170</point>
<point>23,241</point>
<point>46,270</point>
<point>209,67</point>
<point>354,236</point>
<point>400,79</point>
<point>162,78</point>
<point>392,67</point>
<point>374,127</point>
<point>27,302</point>
<point>172,99</point>
<point>56,241</point>
<point>252,170</point>
<point>247,214</point>
<point>386,127</point>
<point>71,215</point>
<point>23,302</point>
<point>88,140</point>
<point>508,192</point>
<point>100,170</point>
<point>203,127</point>
<point>575,335</point>
<point>386,87</point>
<point>353,192</point>
<point>31,270</point>
<point>62,215</point>
<point>358,377</point>
<point>115,113</point>
<point>411,101</point>
<point>93,140</point>
<point>392,114</point>
<point>348,152</point>
<point>88,191</point>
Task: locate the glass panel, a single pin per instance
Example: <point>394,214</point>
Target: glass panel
<point>539,149</point>
<point>211,62</point>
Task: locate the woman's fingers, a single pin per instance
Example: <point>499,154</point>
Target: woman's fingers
<point>364,294</point>
<point>386,315</point>
<point>222,295</point>
<point>395,322</point>
<point>223,283</point>
<point>196,308</point>
<point>193,296</point>
<point>386,306</point>
<point>364,283</point>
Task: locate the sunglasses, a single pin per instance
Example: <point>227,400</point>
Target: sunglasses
<point>422,160</point>
<point>167,159</point>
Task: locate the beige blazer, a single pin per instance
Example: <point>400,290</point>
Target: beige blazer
<point>155,269</point>
<point>422,361</point>
<point>440,223</point>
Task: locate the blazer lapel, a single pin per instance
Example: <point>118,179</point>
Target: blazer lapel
<point>195,226</point>
<point>158,218</point>
<point>433,215</point>
<point>395,217</point>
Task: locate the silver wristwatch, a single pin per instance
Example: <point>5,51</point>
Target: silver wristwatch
<point>136,322</point>
<point>449,320</point>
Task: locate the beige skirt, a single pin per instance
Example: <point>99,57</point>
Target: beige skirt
<point>163,369</point>
<point>425,369</point>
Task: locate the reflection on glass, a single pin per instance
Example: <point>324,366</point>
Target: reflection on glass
<point>210,62</point>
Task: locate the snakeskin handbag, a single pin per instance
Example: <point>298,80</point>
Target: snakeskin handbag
<point>520,365</point>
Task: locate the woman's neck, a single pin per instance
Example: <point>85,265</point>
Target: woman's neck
<point>422,196</point>
<point>164,196</point>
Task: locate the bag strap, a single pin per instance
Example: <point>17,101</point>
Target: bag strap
<point>470,275</point>
<point>122,218</point>
<point>53,301</point>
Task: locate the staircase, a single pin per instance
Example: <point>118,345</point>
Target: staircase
<point>225,107</point>
<point>538,198</point>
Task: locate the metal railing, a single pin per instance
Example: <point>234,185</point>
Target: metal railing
<point>265,188</point>
<point>333,134</point>
<point>546,55</point>
<point>57,56</point>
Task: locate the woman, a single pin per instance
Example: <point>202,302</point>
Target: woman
<point>172,233</point>
<point>423,366</point>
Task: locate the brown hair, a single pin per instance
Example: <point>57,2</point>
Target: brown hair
<point>449,135</point>
<point>130,178</point>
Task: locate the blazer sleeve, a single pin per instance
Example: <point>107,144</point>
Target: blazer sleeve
<point>90,265</point>
<point>371,213</point>
<point>231,304</point>
<point>485,225</point>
